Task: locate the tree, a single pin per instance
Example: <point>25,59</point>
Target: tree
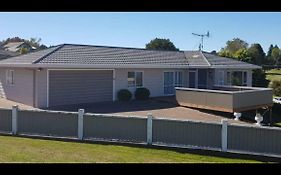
<point>161,44</point>
<point>242,54</point>
<point>268,55</point>
<point>257,54</point>
<point>23,50</point>
<point>276,87</point>
<point>36,43</point>
<point>259,78</point>
<point>235,44</point>
<point>225,53</point>
<point>269,60</point>
<point>276,55</point>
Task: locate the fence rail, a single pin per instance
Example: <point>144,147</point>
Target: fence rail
<point>145,130</point>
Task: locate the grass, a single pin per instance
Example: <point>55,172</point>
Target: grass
<point>19,149</point>
<point>273,74</point>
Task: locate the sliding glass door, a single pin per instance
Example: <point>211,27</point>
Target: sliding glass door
<point>172,79</point>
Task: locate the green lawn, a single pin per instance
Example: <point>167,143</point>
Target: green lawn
<point>18,149</point>
<point>273,74</point>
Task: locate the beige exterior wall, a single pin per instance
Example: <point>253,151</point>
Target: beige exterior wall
<point>25,83</point>
<point>153,79</point>
<point>41,88</point>
<point>22,89</point>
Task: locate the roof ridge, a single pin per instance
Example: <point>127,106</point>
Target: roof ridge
<point>121,47</point>
<point>44,56</point>
<point>201,52</point>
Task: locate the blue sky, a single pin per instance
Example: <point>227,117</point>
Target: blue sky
<point>137,29</point>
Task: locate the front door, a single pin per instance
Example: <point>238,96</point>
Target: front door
<point>169,83</point>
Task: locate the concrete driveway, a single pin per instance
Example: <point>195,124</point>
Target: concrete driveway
<point>158,109</point>
<point>5,103</point>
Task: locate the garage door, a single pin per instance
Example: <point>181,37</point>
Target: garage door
<point>79,86</point>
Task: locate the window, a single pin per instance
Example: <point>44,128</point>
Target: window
<point>178,79</point>
<point>10,77</point>
<point>138,79</point>
<point>244,78</point>
<point>135,79</point>
<point>228,78</point>
<point>237,78</point>
<point>131,79</point>
<point>221,78</point>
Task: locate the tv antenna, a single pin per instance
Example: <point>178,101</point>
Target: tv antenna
<point>202,37</point>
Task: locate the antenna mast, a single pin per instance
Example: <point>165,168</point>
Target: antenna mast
<point>202,37</point>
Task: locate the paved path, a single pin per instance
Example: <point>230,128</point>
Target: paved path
<point>4,103</point>
<point>158,109</point>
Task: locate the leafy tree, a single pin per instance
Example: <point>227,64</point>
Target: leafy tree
<point>225,53</point>
<point>276,55</point>
<point>23,50</point>
<point>235,44</point>
<point>36,43</point>
<point>269,60</point>
<point>259,78</point>
<point>242,55</point>
<point>161,44</point>
<point>276,87</point>
<point>257,54</point>
<point>268,55</point>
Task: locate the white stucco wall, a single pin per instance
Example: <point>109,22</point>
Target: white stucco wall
<point>41,88</point>
<point>22,89</point>
<point>153,79</point>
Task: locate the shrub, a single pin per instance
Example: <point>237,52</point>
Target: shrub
<point>276,109</point>
<point>124,95</point>
<point>142,93</point>
<point>276,87</point>
<point>259,78</point>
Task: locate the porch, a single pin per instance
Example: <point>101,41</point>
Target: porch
<point>206,78</point>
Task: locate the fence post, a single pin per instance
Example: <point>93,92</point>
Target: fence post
<point>149,128</point>
<point>80,123</point>
<point>14,119</point>
<point>224,135</point>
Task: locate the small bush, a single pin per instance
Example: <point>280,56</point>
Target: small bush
<point>276,109</point>
<point>124,95</point>
<point>142,93</point>
<point>276,87</point>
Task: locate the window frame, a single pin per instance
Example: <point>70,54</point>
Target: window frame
<point>229,78</point>
<point>245,83</point>
<point>221,77</point>
<point>10,77</point>
<point>135,79</point>
<point>176,79</point>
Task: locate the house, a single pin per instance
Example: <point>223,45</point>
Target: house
<point>6,54</point>
<point>17,46</point>
<point>72,74</point>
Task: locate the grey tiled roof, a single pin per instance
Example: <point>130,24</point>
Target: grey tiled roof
<point>195,58</point>
<point>6,54</point>
<point>70,54</point>
<point>78,54</point>
<point>29,58</point>
<point>215,60</point>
